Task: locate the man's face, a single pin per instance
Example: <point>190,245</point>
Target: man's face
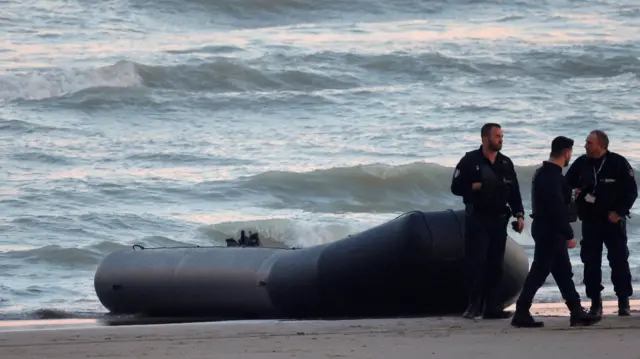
<point>567,157</point>
<point>592,146</point>
<point>494,141</point>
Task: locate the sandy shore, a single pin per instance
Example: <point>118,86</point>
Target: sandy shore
<point>449,337</point>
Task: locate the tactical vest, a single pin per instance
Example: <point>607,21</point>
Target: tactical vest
<point>494,195</point>
<point>600,181</point>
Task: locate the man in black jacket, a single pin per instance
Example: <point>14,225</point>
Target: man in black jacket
<point>552,233</point>
<point>607,191</point>
<point>487,181</point>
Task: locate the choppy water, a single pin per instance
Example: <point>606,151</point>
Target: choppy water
<point>181,122</point>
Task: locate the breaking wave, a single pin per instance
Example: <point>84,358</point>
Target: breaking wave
<point>321,71</point>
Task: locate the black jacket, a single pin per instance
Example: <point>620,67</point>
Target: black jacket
<point>610,179</point>
<point>499,184</point>
<point>550,200</point>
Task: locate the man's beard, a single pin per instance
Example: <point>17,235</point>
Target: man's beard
<point>495,147</point>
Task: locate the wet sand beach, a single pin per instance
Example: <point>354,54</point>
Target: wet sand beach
<point>433,337</point>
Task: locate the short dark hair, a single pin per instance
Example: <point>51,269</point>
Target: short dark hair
<point>602,137</point>
<point>485,131</point>
<point>559,145</point>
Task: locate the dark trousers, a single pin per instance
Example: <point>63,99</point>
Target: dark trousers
<point>595,233</point>
<point>550,256</point>
<point>485,241</point>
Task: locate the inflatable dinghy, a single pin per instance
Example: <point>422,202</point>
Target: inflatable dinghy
<point>411,265</point>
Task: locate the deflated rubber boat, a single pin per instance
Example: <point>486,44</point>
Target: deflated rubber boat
<point>411,265</point>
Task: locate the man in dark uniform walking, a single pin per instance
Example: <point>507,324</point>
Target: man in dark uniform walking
<point>552,234</point>
<point>607,191</point>
<point>487,181</point>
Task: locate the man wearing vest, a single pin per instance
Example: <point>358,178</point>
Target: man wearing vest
<point>487,182</point>
<point>607,190</point>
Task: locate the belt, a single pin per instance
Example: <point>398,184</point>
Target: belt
<point>487,212</point>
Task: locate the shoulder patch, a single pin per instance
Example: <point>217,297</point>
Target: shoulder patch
<point>629,167</point>
<point>456,173</point>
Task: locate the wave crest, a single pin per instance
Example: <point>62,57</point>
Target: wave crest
<point>56,82</point>
<point>303,73</point>
<point>372,188</point>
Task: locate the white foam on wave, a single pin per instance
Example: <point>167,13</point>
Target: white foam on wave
<point>55,82</point>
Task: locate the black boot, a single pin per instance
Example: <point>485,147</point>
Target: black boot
<point>473,310</point>
<point>623,307</point>
<point>580,317</point>
<point>523,319</point>
<point>596,306</point>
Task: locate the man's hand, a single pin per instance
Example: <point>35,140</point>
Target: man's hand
<point>613,217</point>
<point>571,243</point>
<point>476,186</point>
<point>520,225</point>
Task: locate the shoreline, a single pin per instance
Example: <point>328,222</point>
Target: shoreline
<point>428,337</point>
<point>548,309</point>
